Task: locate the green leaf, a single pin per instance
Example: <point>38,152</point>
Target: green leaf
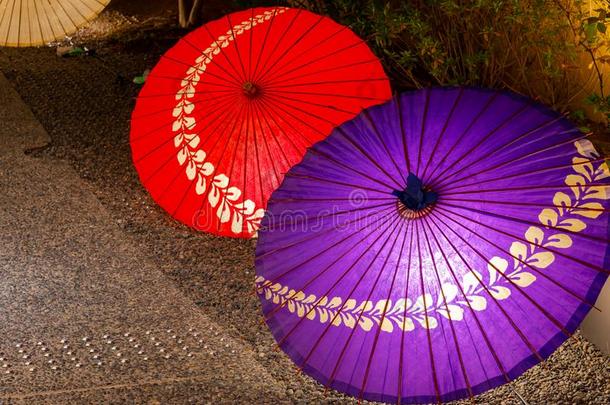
<point>591,32</point>
<point>76,51</point>
<point>578,115</point>
<point>592,20</point>
<point>601,27</point>
<point>592,98</point>
<point>141,79</point>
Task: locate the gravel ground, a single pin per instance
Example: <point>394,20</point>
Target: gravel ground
<point>85,104</point>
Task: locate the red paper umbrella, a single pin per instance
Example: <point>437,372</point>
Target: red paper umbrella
<point>233,105</point>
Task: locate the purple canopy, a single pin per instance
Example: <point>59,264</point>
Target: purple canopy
<point>436,246</point>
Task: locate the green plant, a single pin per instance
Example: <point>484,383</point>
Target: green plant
<point>540,48</point>
<point>591,33</point>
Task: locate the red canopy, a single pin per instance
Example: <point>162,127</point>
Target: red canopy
<point>234,104</point>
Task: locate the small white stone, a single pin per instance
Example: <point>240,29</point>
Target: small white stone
<point>73,359</point>
<point>131,339</point>
<point>96,357</point>
<point>27,363</point>
<point>47,354</point>
<point>25,356</point>
<point>20,351</point>
<point>105,337</point>
<point>91,350</point>
<point>158,343</point>
<point>77,365</point>
<point>161,350</point>
<point>148,332</point>
<point>65,347</point>
<point>44,349</point>
<point>185,348</point>
<point>113,348</point>
<point>31,369</point>
<point>87,344</point>
<point>54,367</point>
<point>119,354</point>
<point>39,344</point>
<point>85,339</point>
<point>140,352</point>
<point>123,361</point>
<point>126,335</point>
<point>19,344</point>
<point>62,341</point>
<point>167,356</point>
<point>51,361</point>
<point>109,342</point>
<point>190,355</point>
<point>69,353</point>
<point>5,365</point>
<point>99,363</point>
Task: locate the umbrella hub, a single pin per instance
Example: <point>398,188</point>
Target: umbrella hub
<point>251,90</point>
<point>415,197</point>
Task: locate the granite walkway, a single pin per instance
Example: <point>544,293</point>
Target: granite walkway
<point>84,316</point>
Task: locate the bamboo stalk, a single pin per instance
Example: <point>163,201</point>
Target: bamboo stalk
<point>195,13</point>
<point>182,13</point>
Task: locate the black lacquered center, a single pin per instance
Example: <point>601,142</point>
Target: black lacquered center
<point>415,197</point>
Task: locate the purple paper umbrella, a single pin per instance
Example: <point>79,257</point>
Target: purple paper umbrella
<point>435,246</point>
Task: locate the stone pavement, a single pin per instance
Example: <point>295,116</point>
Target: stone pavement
<point>84,316</point>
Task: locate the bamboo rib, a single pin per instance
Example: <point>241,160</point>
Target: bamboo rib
<point>26,23</point>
